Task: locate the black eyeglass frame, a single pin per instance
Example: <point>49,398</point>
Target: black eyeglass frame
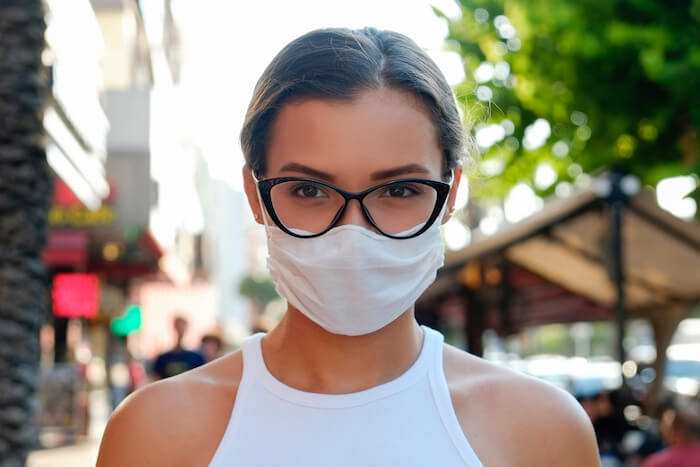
<point>265,187</point>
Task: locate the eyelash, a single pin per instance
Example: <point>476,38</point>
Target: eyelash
<point>297,188</point>
<point>411,188</point>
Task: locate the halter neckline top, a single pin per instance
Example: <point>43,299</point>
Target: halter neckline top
<point>408,421</point>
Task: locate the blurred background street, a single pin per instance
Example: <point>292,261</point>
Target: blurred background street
<point>81,452</point>
<point>128,252</point>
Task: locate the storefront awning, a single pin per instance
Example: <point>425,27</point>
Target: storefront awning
<point>568,243</point>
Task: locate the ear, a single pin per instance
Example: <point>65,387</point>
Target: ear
<point>251,191</point>
<point>452,196</point>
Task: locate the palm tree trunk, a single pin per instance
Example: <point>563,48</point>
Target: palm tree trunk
<point>25,190</point>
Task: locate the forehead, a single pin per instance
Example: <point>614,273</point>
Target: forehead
<point>378,130</point>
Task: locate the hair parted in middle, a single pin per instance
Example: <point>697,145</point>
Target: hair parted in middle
<point>339,64</point>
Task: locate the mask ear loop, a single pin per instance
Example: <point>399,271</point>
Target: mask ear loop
<point>444,206</point>
<point>452,178</point>
<point>262,209</point>
<point>437,223</point>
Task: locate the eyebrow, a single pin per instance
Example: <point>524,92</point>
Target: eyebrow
<point>380,175</point>
<point>294,167</point>
<point>404,170</point>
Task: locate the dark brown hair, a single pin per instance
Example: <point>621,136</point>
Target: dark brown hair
<point>339,64</point>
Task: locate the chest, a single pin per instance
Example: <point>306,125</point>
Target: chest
<point>404,429</point>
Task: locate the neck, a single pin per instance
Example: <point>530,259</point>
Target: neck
<point>305,356</point>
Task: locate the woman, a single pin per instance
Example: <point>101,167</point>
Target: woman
<point>352,143</point>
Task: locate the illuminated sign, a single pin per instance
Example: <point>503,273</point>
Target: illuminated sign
<point>79,216</point>
<point>122,326</point>
<point>68,211</point>
<point>75,295</point>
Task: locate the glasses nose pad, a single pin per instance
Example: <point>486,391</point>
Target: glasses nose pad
<point>353,213</point>
<point>368,216</point>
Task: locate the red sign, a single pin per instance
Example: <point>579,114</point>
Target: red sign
<point>75,295</point>
<point>64,196</point>
<point>66,248</point>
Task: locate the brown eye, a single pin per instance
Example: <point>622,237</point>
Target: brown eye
<point>399,191</point>
<point>308,190</point>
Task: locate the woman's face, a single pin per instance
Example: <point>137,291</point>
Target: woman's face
<point>380,136</point>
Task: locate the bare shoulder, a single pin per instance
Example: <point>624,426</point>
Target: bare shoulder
<point>159,424</point>
<point>513,419</point>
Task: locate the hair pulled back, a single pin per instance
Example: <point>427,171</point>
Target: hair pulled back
<point>339,64</point>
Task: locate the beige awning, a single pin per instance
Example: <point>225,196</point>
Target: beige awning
<point>568,244</point>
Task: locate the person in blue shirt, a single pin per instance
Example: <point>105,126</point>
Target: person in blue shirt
<point>178,360</point>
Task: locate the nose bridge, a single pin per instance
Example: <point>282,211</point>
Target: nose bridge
<point>354,215</point>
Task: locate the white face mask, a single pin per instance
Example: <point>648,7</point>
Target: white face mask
<point>351,280</point>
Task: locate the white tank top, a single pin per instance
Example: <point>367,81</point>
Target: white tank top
<point>406,422</point>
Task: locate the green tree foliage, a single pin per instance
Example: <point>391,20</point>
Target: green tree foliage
<point>617,82</point>
<point>259,290</point>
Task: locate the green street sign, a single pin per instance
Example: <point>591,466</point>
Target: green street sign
<point>130,322</point>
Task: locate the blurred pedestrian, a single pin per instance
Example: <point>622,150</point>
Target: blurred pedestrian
<point>177,360</point>
<point>138,376</point>
<point>605,410</point>
<point>210,347</point>
<point>680,428</point>
<point>353,144</point>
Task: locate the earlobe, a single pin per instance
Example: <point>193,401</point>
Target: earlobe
<point>451,198</point>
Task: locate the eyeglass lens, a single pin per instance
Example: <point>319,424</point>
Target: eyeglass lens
<point>397,208</point>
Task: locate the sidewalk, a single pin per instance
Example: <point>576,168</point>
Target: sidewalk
<point>82,454</point>
<point>79,455</point>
